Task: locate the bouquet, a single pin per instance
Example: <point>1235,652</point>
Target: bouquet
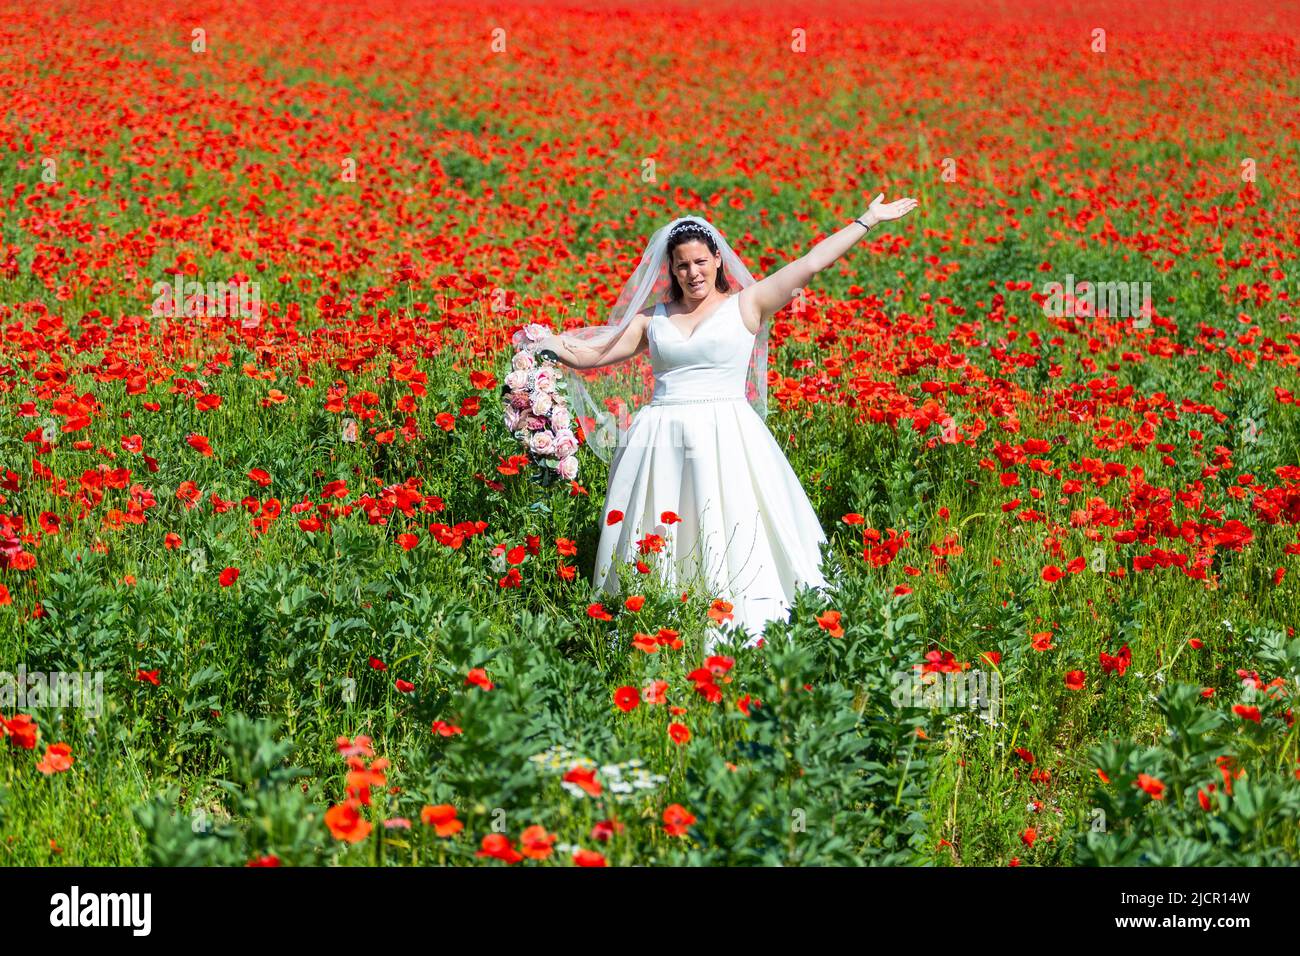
<point>534,408</point>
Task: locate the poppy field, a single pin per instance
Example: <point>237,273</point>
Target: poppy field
<point>278,588</point>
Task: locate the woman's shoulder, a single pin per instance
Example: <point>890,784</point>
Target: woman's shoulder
<point>649,312</point>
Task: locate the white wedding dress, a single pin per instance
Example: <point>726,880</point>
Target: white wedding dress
<point>748,533</point>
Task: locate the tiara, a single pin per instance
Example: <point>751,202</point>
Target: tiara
<point>692,229</point>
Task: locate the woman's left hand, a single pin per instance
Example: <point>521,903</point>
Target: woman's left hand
<point>881,211</point>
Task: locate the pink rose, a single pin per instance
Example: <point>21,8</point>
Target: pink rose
<point>542,443</point>
<point>566,443</point>
<point>534,332</point>
<point>567,467</point>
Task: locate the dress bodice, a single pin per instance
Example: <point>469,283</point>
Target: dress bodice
<point>712,362</point>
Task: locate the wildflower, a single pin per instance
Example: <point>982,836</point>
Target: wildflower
<point>676,819</point>
<point>626,698</point>
<point>535,843</point>
<point>1118,663</point>
<point>1151,785</point>
<point>345,823</point>
<point>605,830</point>
<point>58,758</point>
<point>585,779</point>
<point>349,748</point>
<point>442,818</point>
<point>655,692</point>
<point>498,846</point>
<point>646,643</point>
<point>829,621</point>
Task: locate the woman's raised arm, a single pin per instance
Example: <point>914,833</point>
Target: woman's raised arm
<point>772,294</point>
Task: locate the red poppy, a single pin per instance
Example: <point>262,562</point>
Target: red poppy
<point>829,621</point>
<point>605,830</point>
<point>584,777</point>
<point>1150,785</point>
<point>442,818</point>
<point>58,758</point>
<point>677,819</point>
<point>1247,713</point>
<point>345,823</point>
<point>645,642</point>
<point>626,698</point>
<point>535,843</point>
<point>720,611</point>
<point>498,846</point>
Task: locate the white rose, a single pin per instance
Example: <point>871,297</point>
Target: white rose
<point>517,380</point>
<point>541,403</point>
<point>560,416</point>
<point>523,360</point>
<point>542,443</point>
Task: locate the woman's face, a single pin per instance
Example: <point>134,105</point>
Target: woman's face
<point>696,268</point>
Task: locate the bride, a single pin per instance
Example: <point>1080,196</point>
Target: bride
<point>699,491</point>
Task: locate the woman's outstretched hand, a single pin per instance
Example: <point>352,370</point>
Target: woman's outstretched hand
<point>881,211</point>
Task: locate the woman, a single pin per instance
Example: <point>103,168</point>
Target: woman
<point>698,488</point>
